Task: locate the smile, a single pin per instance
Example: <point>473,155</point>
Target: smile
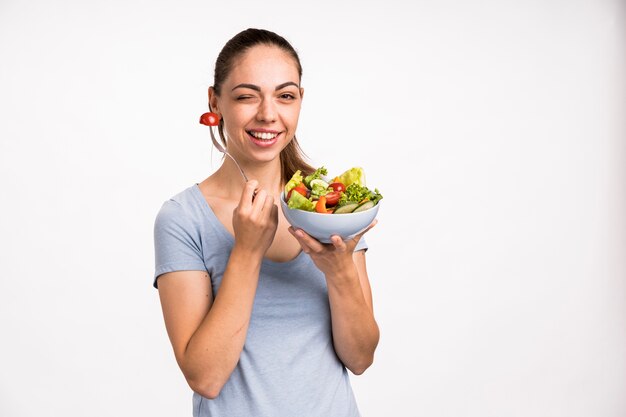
<point>263,139</point>
<point>263,135</point>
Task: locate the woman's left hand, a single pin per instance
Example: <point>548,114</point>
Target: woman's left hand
<point>329,257</point>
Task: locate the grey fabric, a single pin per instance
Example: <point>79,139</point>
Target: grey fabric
<point>288,366</point>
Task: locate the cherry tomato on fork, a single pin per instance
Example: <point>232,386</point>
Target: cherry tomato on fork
<point>210,119</point>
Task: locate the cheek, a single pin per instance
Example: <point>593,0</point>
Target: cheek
<point>293,117</point>
<point>233,119</point>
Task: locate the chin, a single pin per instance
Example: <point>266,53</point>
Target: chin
<point>267,154</point>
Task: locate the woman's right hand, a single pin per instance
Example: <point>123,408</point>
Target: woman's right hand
<point>255,220</point>
<point>208,332</point>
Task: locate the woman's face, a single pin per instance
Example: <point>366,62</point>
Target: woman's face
<point>260,103</point>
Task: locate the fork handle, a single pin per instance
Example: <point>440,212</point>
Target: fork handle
<point>222,150</point>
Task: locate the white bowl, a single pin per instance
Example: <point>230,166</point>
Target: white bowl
<point>323,226</point>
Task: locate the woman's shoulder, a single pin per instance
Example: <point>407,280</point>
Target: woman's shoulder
<point>186,197</point>
<point>185,203</point>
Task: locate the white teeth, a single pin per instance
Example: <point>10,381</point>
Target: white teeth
<point>264,135</point>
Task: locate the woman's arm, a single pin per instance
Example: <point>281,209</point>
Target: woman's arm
<point>355,332</point>
<point>207,332</point>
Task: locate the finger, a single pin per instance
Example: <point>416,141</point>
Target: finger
<point>298,235</point>
<point>268,204</point>
<point>247,193</point>
<point>259,201</point>
<point>304,238</point>
<point>275,213</point>
<point>338,242</point>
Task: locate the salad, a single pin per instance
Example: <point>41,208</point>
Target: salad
<point>343,194</point>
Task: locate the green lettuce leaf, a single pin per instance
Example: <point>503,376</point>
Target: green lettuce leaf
<point>354,175</point>
<point>295,180</point>
<point>356,193</point>
<point>298,201</point>
<point>317,174</point>
<point>319,190</point>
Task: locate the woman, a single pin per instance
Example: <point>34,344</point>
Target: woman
<point>263,319</point>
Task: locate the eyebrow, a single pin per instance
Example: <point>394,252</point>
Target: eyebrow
<point>257,88</point>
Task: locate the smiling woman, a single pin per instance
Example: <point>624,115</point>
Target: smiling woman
<point>265,113</point>
<point>264,320</point>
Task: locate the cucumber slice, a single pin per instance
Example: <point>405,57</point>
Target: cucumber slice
<point>318,181</point>
<point>364,206</point>
<point>348,208</point>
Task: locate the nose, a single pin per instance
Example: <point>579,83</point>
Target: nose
<point>266,111</point>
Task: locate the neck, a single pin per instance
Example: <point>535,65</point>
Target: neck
<point>267,174</point>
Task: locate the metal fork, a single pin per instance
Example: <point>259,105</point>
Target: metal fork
<point>225,152</point>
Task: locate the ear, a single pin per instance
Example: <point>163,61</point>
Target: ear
<point>213,101</point>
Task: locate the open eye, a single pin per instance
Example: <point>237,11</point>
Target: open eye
<point>287,96</point>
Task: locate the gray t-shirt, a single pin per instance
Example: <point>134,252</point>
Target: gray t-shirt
<point>288,366</point>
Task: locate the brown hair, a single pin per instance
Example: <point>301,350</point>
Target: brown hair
<point>292,158</point>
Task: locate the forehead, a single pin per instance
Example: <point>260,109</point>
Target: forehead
<point>264,64</point>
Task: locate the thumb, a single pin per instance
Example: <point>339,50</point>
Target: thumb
<point>360,235</point>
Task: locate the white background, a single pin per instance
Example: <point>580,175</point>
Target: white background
<point>494,129</point>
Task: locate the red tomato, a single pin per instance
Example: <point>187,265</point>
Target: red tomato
<point>332,198</point>
<point>210,119</point>
<point>337,186</point>
<point>300,188</point>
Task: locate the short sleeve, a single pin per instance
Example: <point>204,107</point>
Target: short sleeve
<point>362,245</point>
<point>177,245</point>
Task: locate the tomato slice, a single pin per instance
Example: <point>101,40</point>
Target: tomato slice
<point>332,198</point>
<point>210,119</point>
<point>300,188</point>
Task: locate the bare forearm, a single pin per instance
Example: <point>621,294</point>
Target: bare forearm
<point>355,332</point>
<point>214,349</point>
